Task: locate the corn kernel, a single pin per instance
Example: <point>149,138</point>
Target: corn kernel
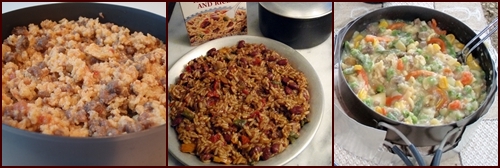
<point>383,24</point>
<point>398,105</point>
<point>358,67</point>
<point>356,44</point>
<point>460,45</point>
<point>472,63</point>
<point>436,48</point>
<point>459,84</point>
<point>378,109</point>
<point>359,37</point>
<point>375,42</point>
<point>443,82</point>
<point>362,94</point>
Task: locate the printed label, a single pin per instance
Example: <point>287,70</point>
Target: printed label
<point>206,21</point>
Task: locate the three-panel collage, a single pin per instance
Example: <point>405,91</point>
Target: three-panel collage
<point>250,84</point>
<point>84,84</point>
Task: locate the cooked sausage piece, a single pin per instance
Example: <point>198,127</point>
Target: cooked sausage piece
<point>20,30</point>
<point>144,119</point>
<point>10,57</point>
<point>22,43</point>
<point>43,94</point>
<point>41,44</point>
<point>99,127</point>
<point>17,110</point>
<point>38,71</point>
<point>109,92</point>
<point>95,106</point>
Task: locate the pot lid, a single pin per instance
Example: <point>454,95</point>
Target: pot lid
<point>298,10</point>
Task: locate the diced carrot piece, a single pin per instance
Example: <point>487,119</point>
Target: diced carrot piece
<point>443,98</point>
<point>447,70</point>
<point>419,73</point>
<point>455,105</point>
<point>439,42</point>
<point>363,74</point>
<point>400,65</point>
<point>389,100</point>
<point>370,38</point>
<point>397,25</point>
<point>436,29</point>
<point>244,139</point>
<point>187,148</point>
<point>467,78</point>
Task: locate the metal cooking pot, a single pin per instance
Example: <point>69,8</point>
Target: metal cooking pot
<point>148,147</point>
<point>418,135</point>
<point>299,25</point>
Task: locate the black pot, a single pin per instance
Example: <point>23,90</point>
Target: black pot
<point>418,135</point>
<point>299,25</point>
<point>148,147</point>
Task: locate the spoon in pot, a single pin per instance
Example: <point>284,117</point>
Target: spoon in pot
<point>462,55</point>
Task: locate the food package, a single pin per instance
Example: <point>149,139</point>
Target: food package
<point>207,21</point>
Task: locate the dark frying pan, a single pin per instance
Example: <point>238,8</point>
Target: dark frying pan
<point>418,135</point>
<point>147,147</point>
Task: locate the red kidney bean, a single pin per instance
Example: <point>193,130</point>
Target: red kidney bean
<point>227,137</point>
<point>296,109</point>
<point>177,121</point>
<point>264,51</point>
<point>275,148</point>
<point>282,62</point>
<point>212,52</point>
<point>288,90</point>
<point>271,58</point>
<point>266,153</point>
<point>215,16</point>
<point>204,24</point>
<point>241,44</point>
<point>270,75</point>
<point>253,53</point>
<point>206,156</point>
<point>293,85</point>
<point>255,150</point>
<point>243,62</point>
<point>268,133</point>
<point>216,30</point>
<point>279,134</point>
<point>285,80</point>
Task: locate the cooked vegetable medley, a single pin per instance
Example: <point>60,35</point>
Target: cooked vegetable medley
<point>407,71</point>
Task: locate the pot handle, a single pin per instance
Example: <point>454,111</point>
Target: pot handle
<point>336,56</point>
<point>413,149</point>
<point>436,160</point>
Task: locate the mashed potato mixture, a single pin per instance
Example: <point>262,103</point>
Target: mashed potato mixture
<point>83,79</point>
<point>408,72</point>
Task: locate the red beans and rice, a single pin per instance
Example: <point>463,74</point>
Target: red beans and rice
<point>238,104</point>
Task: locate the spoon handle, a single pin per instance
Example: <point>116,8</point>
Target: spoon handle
<point>493,25</point>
